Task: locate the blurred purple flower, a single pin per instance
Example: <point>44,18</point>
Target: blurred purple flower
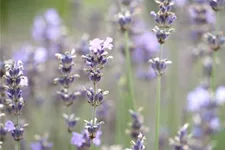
<point>47,27</point>
<point>52,17</point>
<point>23,54</point>
<point>215,124</point>
<point>146,75</point>
<point>180,3</point>
<point>40,55</point>
<point>197,98</point>
<point>146,46</point>
<point>77,139</point>
<point>220,94</point>
<point>9,126</point>
<point>36,146</point>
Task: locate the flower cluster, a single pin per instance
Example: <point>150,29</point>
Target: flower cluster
<point>181,141</point>
<point>164,19</point>
<point>66,63</point>
<point>136,126</point>
<point>48,29</point>
<point>41,143</point>
<point>204,104</point>
<point>139,144</point>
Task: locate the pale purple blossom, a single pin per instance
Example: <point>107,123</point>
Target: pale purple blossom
<point>52,17</point>
<point>95,44</point>
<point>9,126</point>
<point>220,94</point>
<point>36,146</point>
<point>108,43</point>
<point>77,139</point>
<point>40,55</point>
<point>98,44</point>
<point>197,98</point>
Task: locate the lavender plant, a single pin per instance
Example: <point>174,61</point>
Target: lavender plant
<point>164,19</point>
<point>67,95</point>
<point>95,61</point>
<point>14,82</point>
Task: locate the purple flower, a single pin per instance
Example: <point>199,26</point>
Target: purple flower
<point>220,94</point>
<point>38,29</point>
<point>180,3</point>
<point>95,44</point>
<point>9,126</point>
<point>40,55</point>
<point>36,146</point>
<point>77,139</point>
<point>23,54</point>
<point>143,48</point>
<point>197,98</point>
<point>108,43</point>
<point>146,75</point>
<point>52,17</point>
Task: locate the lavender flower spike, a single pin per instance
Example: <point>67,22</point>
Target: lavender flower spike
<point>159,66</point>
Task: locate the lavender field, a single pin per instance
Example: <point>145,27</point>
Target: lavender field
<point>112,74</point>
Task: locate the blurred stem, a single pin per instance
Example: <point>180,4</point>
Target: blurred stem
<point>213,76</point>
<point>129,71</point>
<point>158,101</point>
<point>217,21</point>
<point>68,113</point>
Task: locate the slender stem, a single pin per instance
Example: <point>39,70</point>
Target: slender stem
<point>158,101</point>
<point>129,71</point>
<point>94,107</point>
<point>17,125</point>
<point>213,76</point>
<point>158,113</point>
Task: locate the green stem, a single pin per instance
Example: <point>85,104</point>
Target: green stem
<point>94,107</point>
<point>129,71</point>
<point>68,113</point>
<point>158,113</point>
<point>158,101</point>
<point>17,124</point>
<point>213,76</point>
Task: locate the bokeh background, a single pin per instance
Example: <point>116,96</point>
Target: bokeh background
<point>43,111</point>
